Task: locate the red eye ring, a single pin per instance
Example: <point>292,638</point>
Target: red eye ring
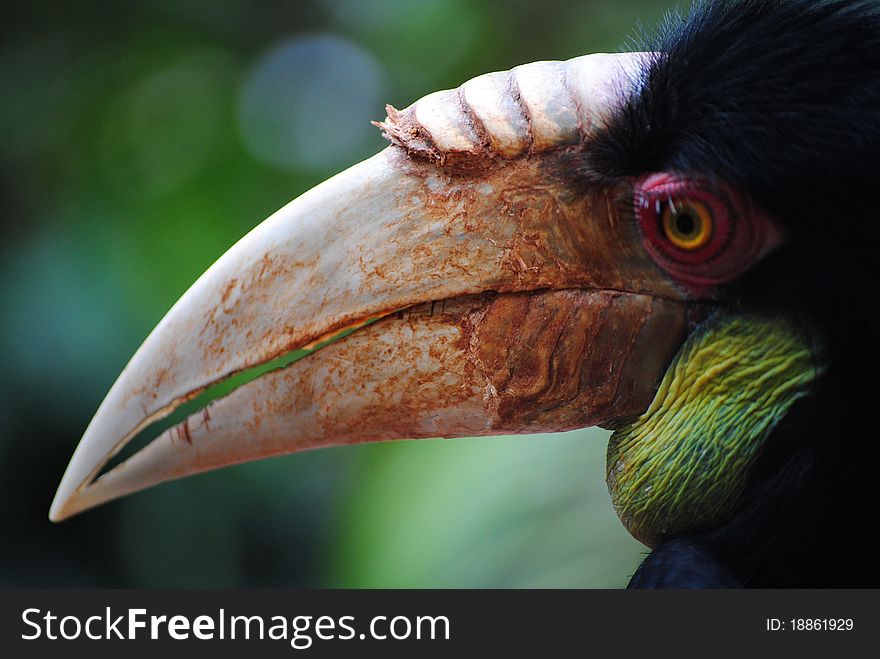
<point>720,237</point>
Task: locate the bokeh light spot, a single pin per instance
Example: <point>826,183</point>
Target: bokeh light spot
<point>168,127</point>
<point>420,41</point>
<point>307,102</point>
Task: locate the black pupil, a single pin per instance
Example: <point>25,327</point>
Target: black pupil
<point>685,223</point>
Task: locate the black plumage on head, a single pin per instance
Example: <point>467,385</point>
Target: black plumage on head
<point>781,100</point>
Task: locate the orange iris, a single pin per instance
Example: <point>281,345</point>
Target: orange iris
<point>687,224</point>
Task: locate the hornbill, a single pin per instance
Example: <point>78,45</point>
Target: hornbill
<point>677,243</point>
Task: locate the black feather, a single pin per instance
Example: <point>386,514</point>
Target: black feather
<point>683,564</point>
<point>781,99</point>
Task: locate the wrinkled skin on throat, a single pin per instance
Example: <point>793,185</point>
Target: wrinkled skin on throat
<point>682,465</point>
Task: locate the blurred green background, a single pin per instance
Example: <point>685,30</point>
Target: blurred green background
<point>138,141</point>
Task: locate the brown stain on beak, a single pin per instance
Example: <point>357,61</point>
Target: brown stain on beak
<point>522,225</point>
<point>517,227</point>
<point>475,365</point>
<point>555,357</point>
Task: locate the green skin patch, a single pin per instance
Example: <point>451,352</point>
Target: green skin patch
<point>682,465</point>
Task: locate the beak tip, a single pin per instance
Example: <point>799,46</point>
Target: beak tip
<point>64,505</point>
<point>56,514</point>
<point>58,510</point>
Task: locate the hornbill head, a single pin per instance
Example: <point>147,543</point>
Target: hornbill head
<point>659,242</point>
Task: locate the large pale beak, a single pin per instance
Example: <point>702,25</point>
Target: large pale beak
<point>505,298</point>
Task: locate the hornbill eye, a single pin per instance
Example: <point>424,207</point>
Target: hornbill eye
<point>688,225</point>
<point>703,234</point>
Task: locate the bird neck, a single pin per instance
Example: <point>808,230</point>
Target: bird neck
<point>682,465</point>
